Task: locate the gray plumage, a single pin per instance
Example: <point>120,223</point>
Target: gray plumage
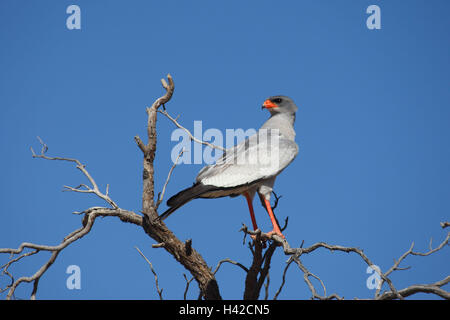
<point>252,165</point>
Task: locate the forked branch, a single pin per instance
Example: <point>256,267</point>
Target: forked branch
<point>89,216</point>
<point>392,293</point>
<point>257,275</point>
<point>156,228</point>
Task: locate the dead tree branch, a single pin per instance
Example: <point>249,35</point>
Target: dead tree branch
<point>296,253</point>
<point>257,275</point>
<point>434,288</point>
<point>154,273</point>
<point>259,269</point>
<point>88,221</point>
<point>240,265</point>
<point>188,282</point>
<point>156,228</point>
<point>93,189</point>
<point>89,217</point>
<point>396,265</point>
<point>191,136</point>
<point>161,194</point>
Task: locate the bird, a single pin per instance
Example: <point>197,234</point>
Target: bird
<point>251,166</point>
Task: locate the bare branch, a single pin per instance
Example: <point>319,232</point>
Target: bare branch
<point>267,258</point>
<point>286,220</point>
<point>229,261</point>
<point>93,189</point>
<point>257,274</point>
<point>431,251</point>
<point>306,275</point>
<point>44,146</point>
<point>140,144</point>
<point>277,198</point>
<point>188,282</point>
<point>434,288</point>
<point>295,254</point>
<point>156,228</point>
<point>283,279</point>
<point>169,92</point>
<point>170,87</point>
<point>161,194</point>
<point>174,120</point>
<point>88,221</point>
<point>251,291</point>
<point>154,273</point>
<point>266,287</point>
<point>259,270</point>
<point>410,251</point>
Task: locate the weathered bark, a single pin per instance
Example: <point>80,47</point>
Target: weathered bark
<point>260,267</point>
<point>157,229</point>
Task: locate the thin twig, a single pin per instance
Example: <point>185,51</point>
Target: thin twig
<point>266,287</point>
<point>434,288</point>
<point>164,112</point>
<point>88,221</point>
<point>93,189</point>
<point>410,251</point>
<point>283,279</point>
<point>297,252</point>
<point>161,194</point>
<point>188,282</point>
<point>277,198</point>
<point>229,261</point>
<point>306,275</point>
<point>154,273</point>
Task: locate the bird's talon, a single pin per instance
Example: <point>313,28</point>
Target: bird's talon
<point>278,233</point>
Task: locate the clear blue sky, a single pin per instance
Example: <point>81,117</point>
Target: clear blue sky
<point>373,129</point>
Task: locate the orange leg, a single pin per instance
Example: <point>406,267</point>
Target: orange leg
<point>250,208</point>
<point>276,228</point>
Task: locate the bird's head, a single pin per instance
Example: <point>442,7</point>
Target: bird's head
<point>280,104</point>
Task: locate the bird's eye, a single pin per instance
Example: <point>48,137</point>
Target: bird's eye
<point>277,100</point>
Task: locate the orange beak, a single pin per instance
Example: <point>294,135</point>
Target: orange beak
<point>269,104</point>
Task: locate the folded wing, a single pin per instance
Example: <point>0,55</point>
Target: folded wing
<point>261,156</point>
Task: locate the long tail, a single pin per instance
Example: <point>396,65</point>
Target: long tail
<point>184,197</point>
